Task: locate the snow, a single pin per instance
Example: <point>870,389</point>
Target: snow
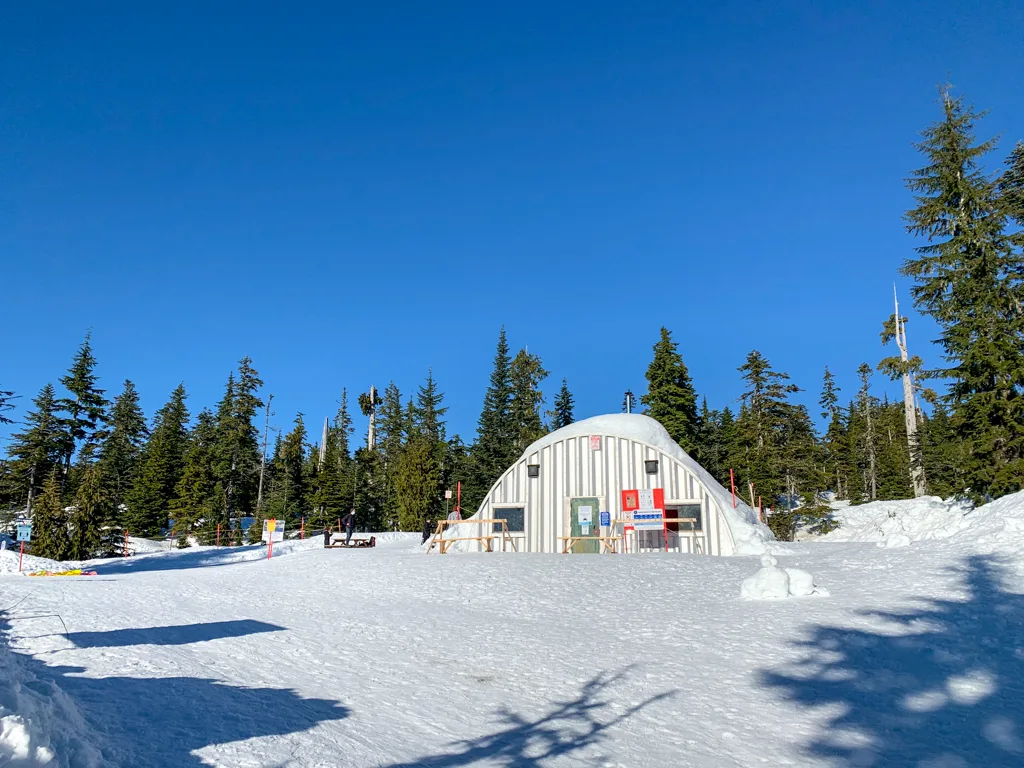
<point>774,583</point>
<point>386,657</point>
<point>928,517</point>
<point>751,536</point>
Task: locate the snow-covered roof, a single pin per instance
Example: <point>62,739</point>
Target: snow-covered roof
<point>750,535</point>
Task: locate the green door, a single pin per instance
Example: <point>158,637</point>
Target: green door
<point>585,515</point>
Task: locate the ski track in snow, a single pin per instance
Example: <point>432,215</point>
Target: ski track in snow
<point>388,657</point>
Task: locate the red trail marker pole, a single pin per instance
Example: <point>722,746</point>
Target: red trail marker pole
<point>218,534</point>
<point>302,529</point>
<point>21,556</point>
<point>732,484</point>
<point>270,547</point>
<point>126,542</point>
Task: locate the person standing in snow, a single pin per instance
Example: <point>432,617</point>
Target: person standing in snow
<point>327,537</point>
<point>426,531</point>
<point>349,521</point>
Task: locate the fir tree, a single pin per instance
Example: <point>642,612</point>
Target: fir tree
<point>671,399</point>
<point>526,374</point>
<point>428,411</point>
<point>85,409</point>
<point>867,446</point>
<point>91,511</point>
<point>50,523</point>
<point>969,279</point>
<point>335,489</point>
<point>562,415</point>
<point>292,476</point>
<point>494,449</point>
<point>196,506</point>
<point>942,454</point>
<point>160,468</point>
<point>834,442</point>
<point>37,450</point>
<point>1011,187</point>
<point>6,405</point>
<point>761,427</point>
<point>123,446</point>
<point>417,483</point>
<point>237,461</point>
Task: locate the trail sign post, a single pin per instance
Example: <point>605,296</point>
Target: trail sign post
<point>24,534</point>
<point>273,530</point>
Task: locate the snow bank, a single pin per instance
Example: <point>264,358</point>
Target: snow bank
<point>39,724</point>
<point>751,536</point>
<point>899,523</point>
<point>774,583</point>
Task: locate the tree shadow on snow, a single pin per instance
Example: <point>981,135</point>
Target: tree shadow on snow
<point>182,634</point>
<point>942,685</point>
<point>175,560</point>
<point>567,728</point>
<point>159,722</point>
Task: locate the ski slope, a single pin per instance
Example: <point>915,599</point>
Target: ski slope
<point>387,657</point>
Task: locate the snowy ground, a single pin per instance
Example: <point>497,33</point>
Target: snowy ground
<point>387,657</point>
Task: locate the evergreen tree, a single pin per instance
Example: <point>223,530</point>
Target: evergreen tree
<point>428,411</point>
<point>833,445</point>
<point>1011,187</point>
<point>335,489</point>
<point>942,454</point>
<point>894,477</point>
<point>123,446</point>
<point>671,398</point>
<point>867,443</point>
<point>495,448</point>
<point>6,405</point>
<point>237,461</point>
<point>85,409</point>
<point>37,450</point>
<point>291,478</point>
<point>761,428</point>
<point>160,468</point>
<point>562,415</point>
<point>417,483</point>
<point>714,441</point>
<point>196,506</point>
<point>969,279</point>
<point>526,374</point>
<point>50,523</point>
<point>91,511</point>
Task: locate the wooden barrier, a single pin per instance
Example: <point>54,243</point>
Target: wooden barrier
<point>607,543</point>
<point>485,539</point>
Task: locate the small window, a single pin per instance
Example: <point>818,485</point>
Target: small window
<point>683,511</point>
<point>514,518</point>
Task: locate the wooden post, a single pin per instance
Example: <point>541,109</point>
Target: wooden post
<point>126,542</point>
<point>732,484</point>
<point>218,534</point>
<point>302,529</point>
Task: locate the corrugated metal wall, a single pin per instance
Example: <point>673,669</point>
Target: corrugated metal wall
<point>570,468</point>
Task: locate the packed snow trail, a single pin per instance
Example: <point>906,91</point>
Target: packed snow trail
<point>388,657</point>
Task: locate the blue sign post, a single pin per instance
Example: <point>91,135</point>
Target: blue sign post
<point>24,534</point>
<point>606,519</point>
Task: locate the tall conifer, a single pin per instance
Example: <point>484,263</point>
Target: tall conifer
<point>562,415</point>
<point>671,398</point>
<point>969,279</point>
<point>122,447</point>
<point>85,407</point>
<point>38,449</point>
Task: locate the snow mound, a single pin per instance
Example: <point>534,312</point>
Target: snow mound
<point>751,536</point>
<point>994,528</point>
<point>39,724</point>
<point>774,583</point>
<point>923,519</point>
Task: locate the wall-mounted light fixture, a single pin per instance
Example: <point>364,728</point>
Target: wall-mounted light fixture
<point>533,470</point>
<point>651,465</point>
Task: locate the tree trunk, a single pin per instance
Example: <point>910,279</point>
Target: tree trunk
<point>917,477</point>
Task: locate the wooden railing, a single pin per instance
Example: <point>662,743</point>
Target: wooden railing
<point>484,539</point>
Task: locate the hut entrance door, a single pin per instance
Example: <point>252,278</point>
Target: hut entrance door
<point>585,517</point>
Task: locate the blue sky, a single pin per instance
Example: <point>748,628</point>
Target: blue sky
<point>354,193</point>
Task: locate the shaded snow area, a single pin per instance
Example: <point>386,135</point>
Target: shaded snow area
<point>387,657</point>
